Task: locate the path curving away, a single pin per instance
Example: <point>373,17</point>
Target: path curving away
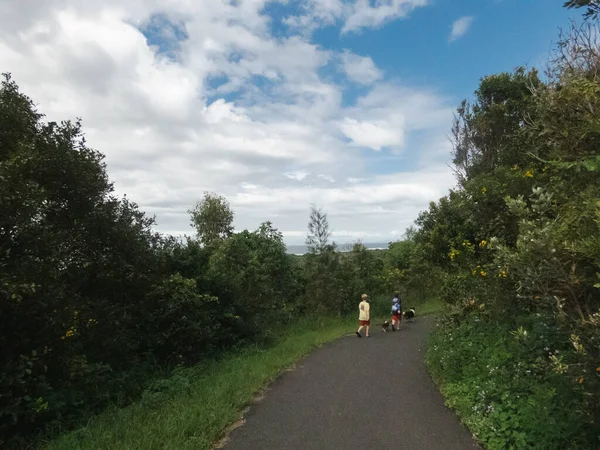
<point>356,394</point>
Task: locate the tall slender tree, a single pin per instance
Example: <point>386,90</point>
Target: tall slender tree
<point>319,233</point>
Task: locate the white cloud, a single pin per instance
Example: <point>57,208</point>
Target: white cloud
<point>363,15</point>
<point>388,113</point>
<point>238,111</point>
<point>354,180</point>
<point>327,177</point>
<point>375,135</point>
<point>355,14</point>
<point>460,27</point>
<point>299,175</point>
<point>316,13</point>
<point>382,205</point>
<point>360,69</point>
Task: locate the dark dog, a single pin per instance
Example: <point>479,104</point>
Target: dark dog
<point>385,325</point>
<point>409,314</point>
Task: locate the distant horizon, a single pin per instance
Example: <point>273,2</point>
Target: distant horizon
<point>296,241</point>
<point>301,249</point>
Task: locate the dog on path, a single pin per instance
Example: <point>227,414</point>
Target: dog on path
<point>385,326</point>
<point>409,314</point>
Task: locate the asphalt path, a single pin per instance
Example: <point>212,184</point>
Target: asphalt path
<point>356,394</point>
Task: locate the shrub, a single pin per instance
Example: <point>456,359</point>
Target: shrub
<point>504,388</point>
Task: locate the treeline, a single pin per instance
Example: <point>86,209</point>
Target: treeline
<point>94,305</point>
<point>515,249</point>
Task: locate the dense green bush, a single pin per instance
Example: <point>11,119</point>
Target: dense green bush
<point>503,385</point>
<point>257,287</point>
<point>519,245</point>
<point>75,265</point>
<point>408,271</point>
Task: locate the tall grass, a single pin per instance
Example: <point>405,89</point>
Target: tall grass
<point>193,408</point>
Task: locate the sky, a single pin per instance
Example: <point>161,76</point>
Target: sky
<point>276,105</point>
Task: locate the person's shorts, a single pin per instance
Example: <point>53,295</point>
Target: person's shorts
<point>365,323</point>
<point>397,317</point>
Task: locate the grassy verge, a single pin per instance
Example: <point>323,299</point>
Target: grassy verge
<point>430,306</point>
<point>192,408</point>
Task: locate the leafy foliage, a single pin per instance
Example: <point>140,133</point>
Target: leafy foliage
<point>95,306</point>
<point>508,395</point>
<point>75,263</point>
<point>213,219</point>
<point>592,7</point>
<point>518,245</point>
<point>256,283</point>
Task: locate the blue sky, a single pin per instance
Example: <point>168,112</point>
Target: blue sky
<point>275,105</point>
<point>502,35</point>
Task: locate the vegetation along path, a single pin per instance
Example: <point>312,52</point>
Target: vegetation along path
<point>356,393</point>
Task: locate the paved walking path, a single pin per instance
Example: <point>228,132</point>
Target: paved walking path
<point>356,393</point>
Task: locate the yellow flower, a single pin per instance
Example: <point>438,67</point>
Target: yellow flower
<point>483,274</point>
<point>453,253</point>
<point>483,190</point>
<point>69,333</point>
<point>528,174</point>
<point>483,243</point>
<point>580,380</point>
<point>474,272</point>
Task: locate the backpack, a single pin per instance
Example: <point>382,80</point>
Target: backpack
<point>395,308</point>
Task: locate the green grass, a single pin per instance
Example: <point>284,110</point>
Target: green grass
<point>431,306</point>
<point>193,408</point>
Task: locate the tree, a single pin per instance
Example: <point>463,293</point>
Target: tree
<point>483,132</point>
<point>76,264</point>
<point>318,236</point>
<point>360,270</point>
<point>212,218</point>
<point>255,280</point>
<point>593,7</point>
<point>409,233</point>
<point>518,243</point>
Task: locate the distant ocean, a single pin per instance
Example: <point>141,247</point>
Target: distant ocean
<point>302,249</point>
